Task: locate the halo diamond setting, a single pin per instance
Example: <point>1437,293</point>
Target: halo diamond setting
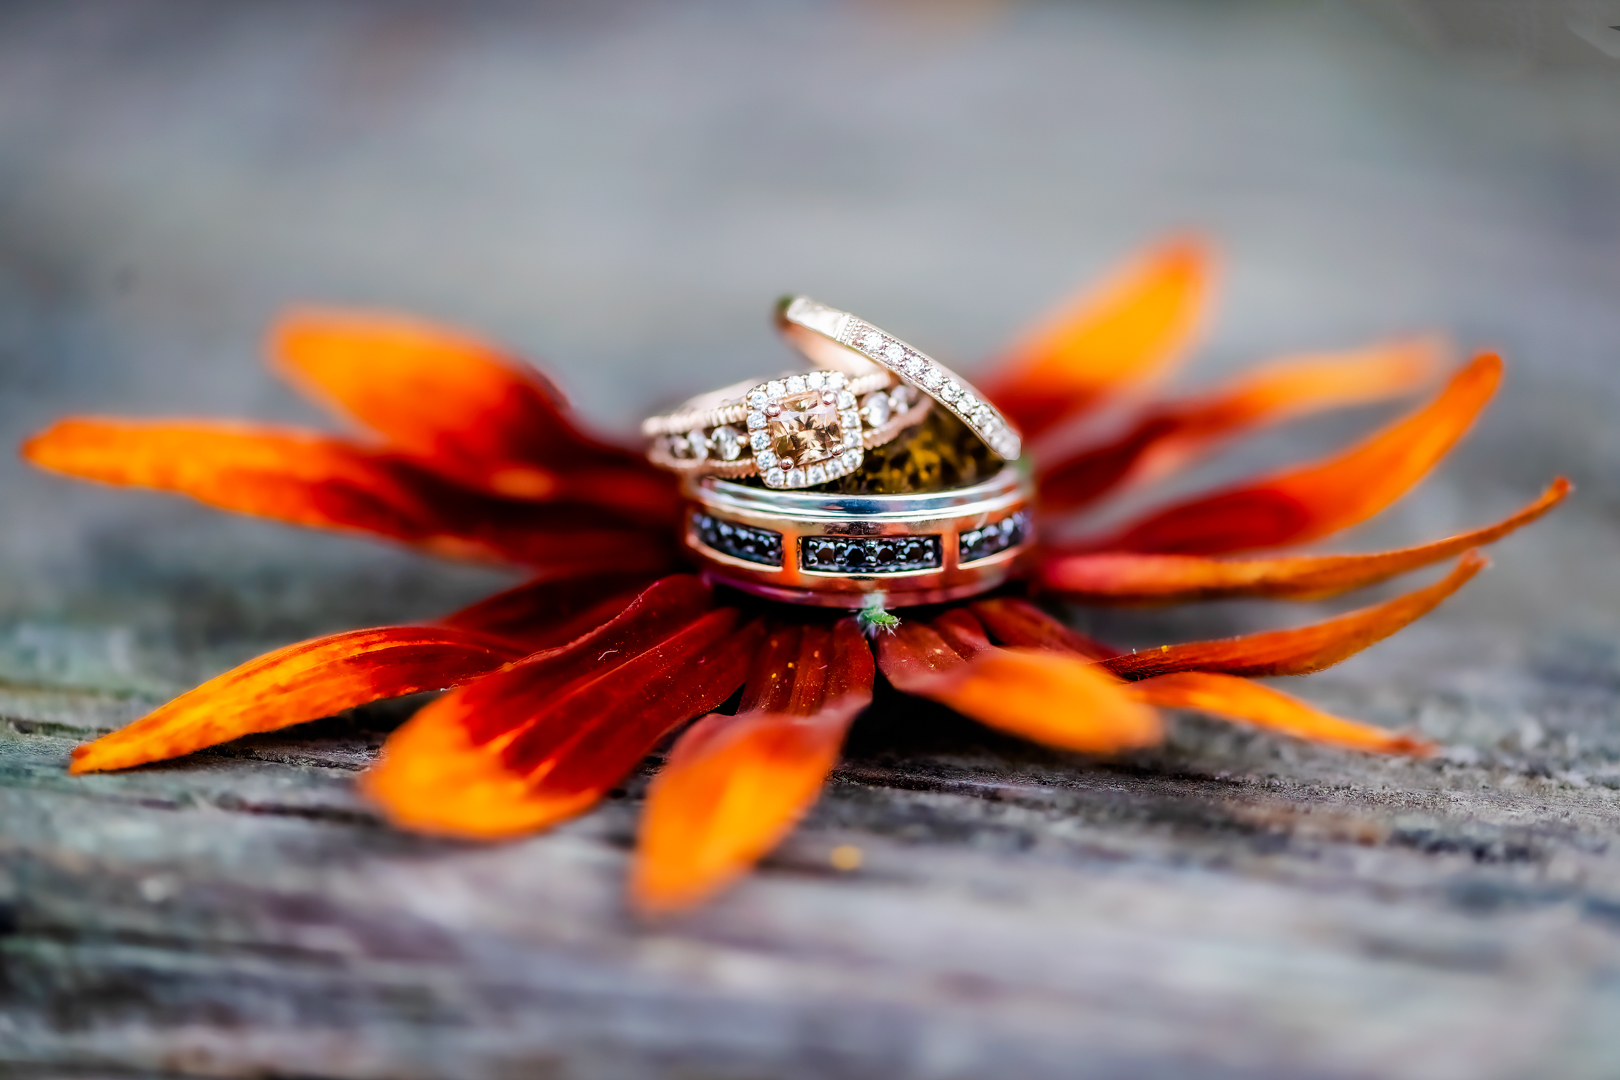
<point>804,430</point>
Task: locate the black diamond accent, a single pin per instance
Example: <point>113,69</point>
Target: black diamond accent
<point>993,539</point>
<point>739,541</point>
<point>869,554</point>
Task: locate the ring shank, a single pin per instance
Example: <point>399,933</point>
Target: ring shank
<point>835,550</point>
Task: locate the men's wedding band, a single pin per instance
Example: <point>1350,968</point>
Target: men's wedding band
<point>834,550</point>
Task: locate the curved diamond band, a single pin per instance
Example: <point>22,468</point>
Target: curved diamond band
<point>796,431</point>
<point>834,550</point>
<point>827,335</point>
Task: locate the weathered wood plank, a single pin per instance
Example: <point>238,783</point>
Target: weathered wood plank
<point>1016,913</point>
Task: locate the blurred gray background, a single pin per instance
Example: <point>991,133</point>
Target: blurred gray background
<point>619,190</point>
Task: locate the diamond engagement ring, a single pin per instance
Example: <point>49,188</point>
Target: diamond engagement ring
<point>828,336</point>
<point>942,513</point>
<point>795,431</point>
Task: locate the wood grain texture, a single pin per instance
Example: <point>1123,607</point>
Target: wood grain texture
<point>1230,905</point>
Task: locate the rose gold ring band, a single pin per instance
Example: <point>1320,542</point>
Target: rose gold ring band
<point>836,550</point>
<point>796,431</point>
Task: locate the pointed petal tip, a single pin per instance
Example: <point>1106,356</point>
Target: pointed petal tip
<point>733,786</point>
<point>656,898</point>
<point>32,448</point>
<point>432,778</point>
<point>1323,497</point>
<point>1192,250</point>
<point>1411,745</point>
<point>1235,698</point>
<point>1124,578</point>
<point>1302,650</point>
<point>63,446</point>
<point>297,683</point>
<point>1133,325</point>
<point>288,327</point>
<point>1169,436</point>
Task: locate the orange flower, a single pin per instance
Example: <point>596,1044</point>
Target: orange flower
<point>564,684</point>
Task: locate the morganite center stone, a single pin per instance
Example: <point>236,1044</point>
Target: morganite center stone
<point>806,431</point>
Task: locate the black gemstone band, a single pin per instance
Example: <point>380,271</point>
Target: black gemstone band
<point>839,551</point>
<point>868,554</point>
<point>994,538</point>
<point>739,541</point>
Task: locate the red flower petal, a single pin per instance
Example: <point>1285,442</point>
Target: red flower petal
<point>309,479</point>
<point>914,653</point>
<point>300,682</point>
<point>664,609</point>
<point>1239,699</point>
<point>1301,505</point>
<point>552,610</point>
<point>545,738</point>
<point>1167,436</point>
<point>463,409</point>
<point>1135,325</point>
<point>1046,696</point>
<point>1301,651</point>
<point>735,785</point>
<point>1126,578</point>
<point>1020,623</point>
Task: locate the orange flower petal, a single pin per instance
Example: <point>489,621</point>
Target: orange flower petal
<point>1060,700</point>
<point>1139,322</point>
<point>300,682</point>
<point>545,738</point>
<point>1240,699</point>
<point>554,609</point>
<point>1301,505</point>
<point>735,785</point>
<point>295,476</point>
<point>1020,623</point>
<point>463,409</point>
<point>1126,578</point>
<point>1168,436</point>
<point>1301,651</point>
<point>309,479</point>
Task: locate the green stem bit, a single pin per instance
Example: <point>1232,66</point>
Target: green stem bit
<point>872,618</point>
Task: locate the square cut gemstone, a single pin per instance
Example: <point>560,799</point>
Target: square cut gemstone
<point>806,431</point>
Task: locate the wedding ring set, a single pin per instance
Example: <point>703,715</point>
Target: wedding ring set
<point>752,455</point>
<point>797,431</point>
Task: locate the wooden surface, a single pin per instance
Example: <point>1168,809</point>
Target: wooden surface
<point>623,192</point>
<point>1256,909</point>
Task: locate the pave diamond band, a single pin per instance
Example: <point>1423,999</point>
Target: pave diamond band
<point>796,431</point>
<point>834,550</point>
<point>813,326</point>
